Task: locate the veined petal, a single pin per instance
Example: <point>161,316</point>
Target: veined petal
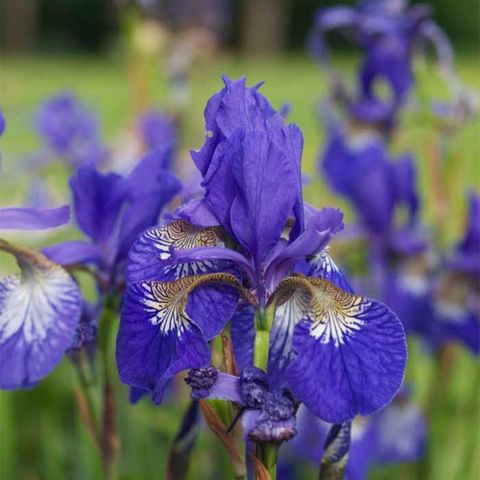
<point>150,257</point>
<point>39,312</point>
<point>165,326</point>
<point>33,218</point>
<point>323,266</point>
<point>351,352</point>
<point>281,353</point>
<point>268,183</point>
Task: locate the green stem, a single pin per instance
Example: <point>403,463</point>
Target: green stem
<point>263,325</point>
<point>268,454</point>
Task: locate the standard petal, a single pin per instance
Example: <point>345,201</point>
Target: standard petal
<point>33,218</point>
<point>266,178</point>
<point>350,357</point>
<point>39,313</point>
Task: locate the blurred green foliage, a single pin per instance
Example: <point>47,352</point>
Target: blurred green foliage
<point>41,436</point>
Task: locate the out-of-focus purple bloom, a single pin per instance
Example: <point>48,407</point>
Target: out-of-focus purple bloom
<point>360,168</point>
<point>158,130</point>
<point>400,430</point>
<point>456,297</point>
<point>39,308</point>
<point>389,32</point>
<point>439,303</point>
<point>395,434</point>
<point>466,254</point>
<point>3,123</point>
<point>184,279</point>
<point>22,218</point>
<point>69,131</point>
<point>111,210</point>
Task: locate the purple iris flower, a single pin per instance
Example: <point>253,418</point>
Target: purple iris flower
<point>233,256</point>
<point>438,302</point>
<point>389,32</point>
<point>39,308</point>
<point>111,210</point>
<point>69,131</point>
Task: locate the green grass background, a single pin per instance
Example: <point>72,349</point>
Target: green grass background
<point>40,435</point>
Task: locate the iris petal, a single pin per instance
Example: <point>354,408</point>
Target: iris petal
<point>150,256</point>
<point>351,352</point>
<point>242,331</point>
<point>33,218</point>
<point>165,326</point>
<point>323,266</point>
<point>39,312</point>
<point>281,353</point>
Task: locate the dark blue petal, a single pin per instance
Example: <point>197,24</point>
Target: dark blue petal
<point>39,313</point>
<point>152,349</point>
<point>351,360</point>
<point>242,331</point>
<point>164,329</point>
<point>33,218</point>
<point>266,179</point>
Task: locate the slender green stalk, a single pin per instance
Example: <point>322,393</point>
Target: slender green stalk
<point>110,442</point>
<point>263,325</point>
